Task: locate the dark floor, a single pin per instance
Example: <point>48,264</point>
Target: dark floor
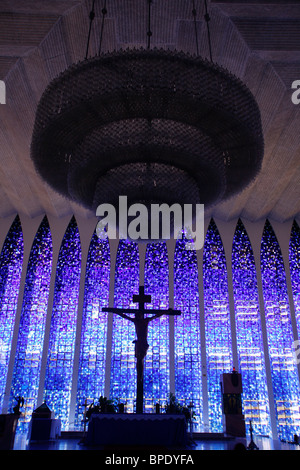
<point>74,443</point>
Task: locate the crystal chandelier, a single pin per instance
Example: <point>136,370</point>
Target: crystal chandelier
<point>155,125</point>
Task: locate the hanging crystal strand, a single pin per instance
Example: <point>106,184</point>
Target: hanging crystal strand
<point>195,25</point>
<point>149,32</point>
<point>91,16</point>
<point>207,19</point>
<point>104,12</point>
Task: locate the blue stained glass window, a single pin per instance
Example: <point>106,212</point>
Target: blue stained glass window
<point>123,372</point>
<point>28,356</point>
<point>280,337</point>
<point>217,322</point>
<point>248,333</point>
<point>294,255</point>
<point>92,361</point>
<point>58,380</point>
<point>11,259</point>
<point>156,369</point>
<point>187,347</point>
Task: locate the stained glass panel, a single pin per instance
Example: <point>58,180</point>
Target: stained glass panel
<point>59,370</point>
<point>156,369</point>
<point>217,322</point>
<point>11,259</point>
<point>187,346</point>
<point>294,255</point>
<point>28,356</point>
<point>249,334</point>
<point>123,373</point>
<point>92,361</point>
<point>280,337</point>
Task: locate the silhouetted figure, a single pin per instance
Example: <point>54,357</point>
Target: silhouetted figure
<point>141,329</point>
<point>20,402</point>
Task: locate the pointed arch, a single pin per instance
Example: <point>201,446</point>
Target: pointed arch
<point>156,371</point>
<point>280,336</point>
<point>187,347</point>
<point>249,334</point>
<point>92,359</point>
<point>217,322</point>
<point>59,369</point>
<point>30,341</point>
<point>11,260</point>
<point>123,375</point>
<point>294,259</point>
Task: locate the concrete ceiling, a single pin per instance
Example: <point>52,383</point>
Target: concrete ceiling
<point>259,41</point>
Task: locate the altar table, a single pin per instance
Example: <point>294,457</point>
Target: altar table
<point>134,429</point>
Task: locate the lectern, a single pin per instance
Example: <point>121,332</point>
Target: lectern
<point>233,418</point>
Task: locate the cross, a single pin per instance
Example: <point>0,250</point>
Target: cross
<point>141,323</point>
<point>141,298</point>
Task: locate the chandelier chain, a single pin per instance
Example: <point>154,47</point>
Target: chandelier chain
<point>104,13</point>
<point>207,20</point>
<point>194,11</point>
<point>91,16</point>
<point>149,32</point>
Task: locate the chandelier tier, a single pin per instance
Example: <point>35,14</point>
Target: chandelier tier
<point>154,125</point>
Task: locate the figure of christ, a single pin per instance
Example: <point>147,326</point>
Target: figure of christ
<point>141,345</point>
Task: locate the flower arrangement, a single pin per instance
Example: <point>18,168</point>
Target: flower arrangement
<point>174,407</point>
<point>103,405</point>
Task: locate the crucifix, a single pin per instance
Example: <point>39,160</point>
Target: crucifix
<point>141,323</point>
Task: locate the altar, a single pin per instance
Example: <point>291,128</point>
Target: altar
<point>122,429</point>
<point>137,430</point>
